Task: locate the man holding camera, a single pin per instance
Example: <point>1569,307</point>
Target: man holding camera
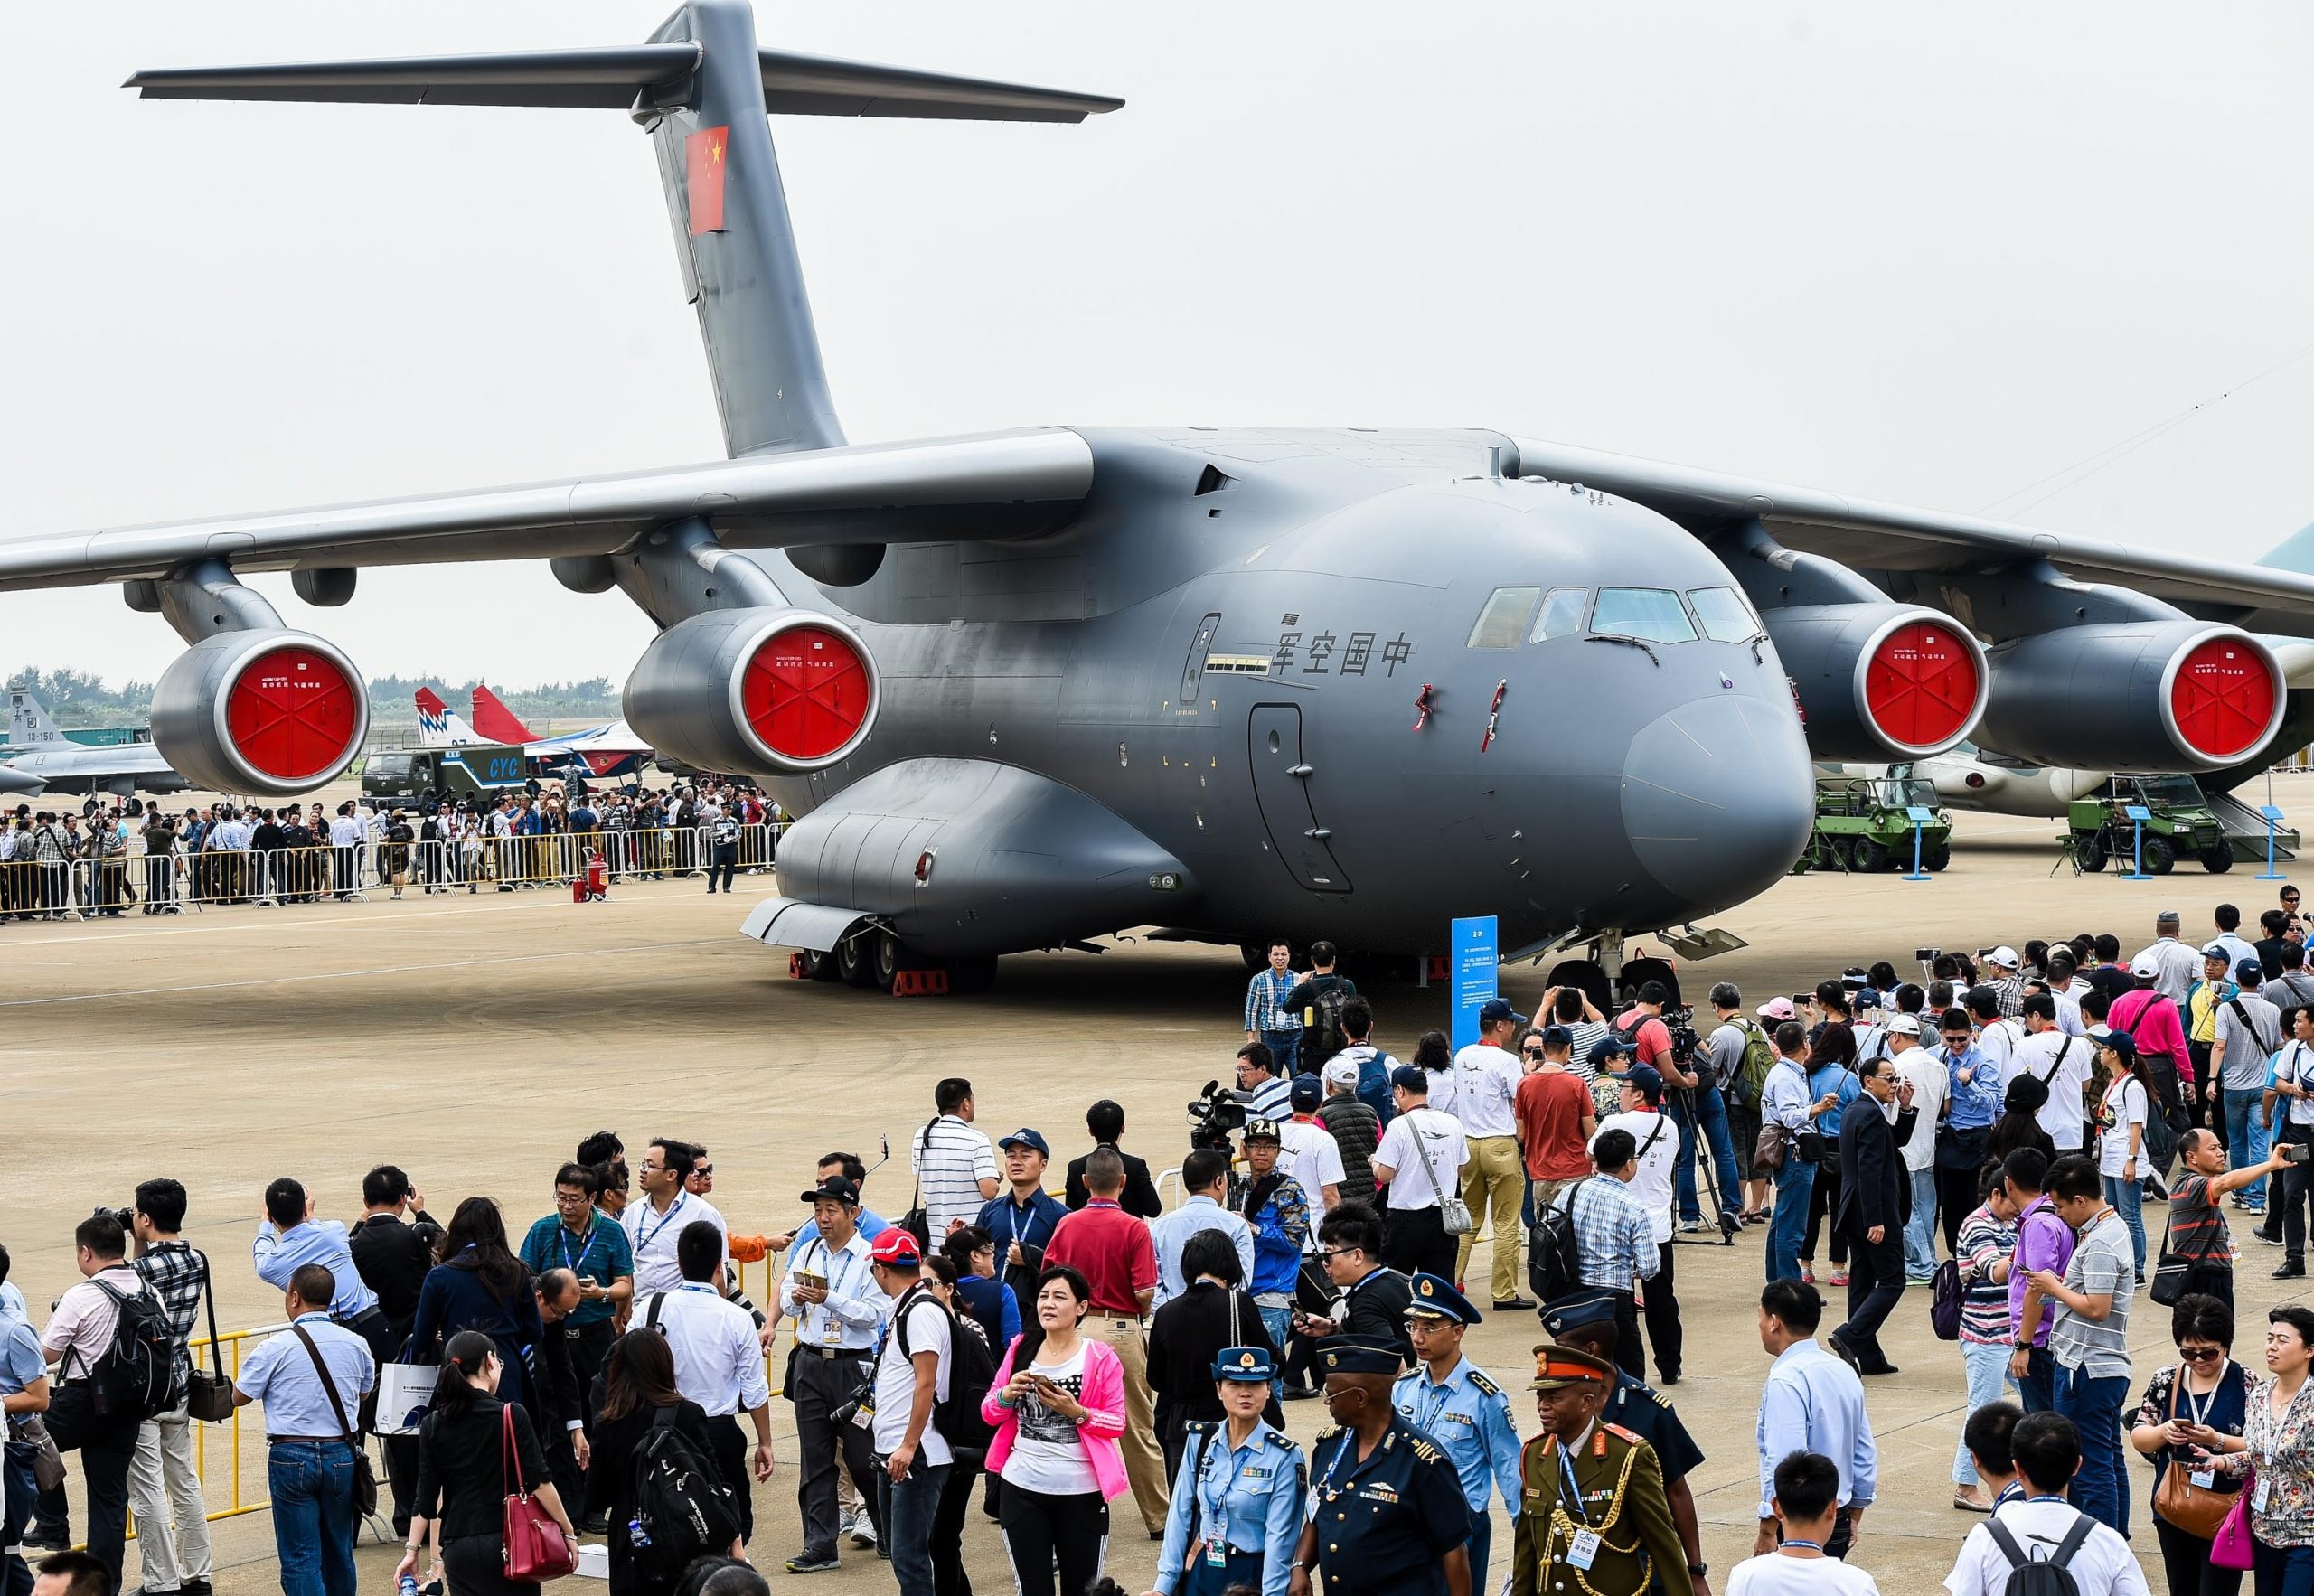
<point>1698,1106</point>
<point>163,1477</point>
<point>85,1414</point>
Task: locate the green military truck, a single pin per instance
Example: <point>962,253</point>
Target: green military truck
<point>1863,824</point>
<point>473,770</point>
<point>2179,824</point>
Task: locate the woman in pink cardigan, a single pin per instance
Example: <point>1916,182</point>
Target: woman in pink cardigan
<point>1058,1402</point>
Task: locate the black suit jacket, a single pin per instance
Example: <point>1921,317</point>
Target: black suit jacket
<point>1185,1337</point>
<point>1874,1189</point>
<point>1139,1199</point>
<point>561,1397</point>
<point>392,1259</point>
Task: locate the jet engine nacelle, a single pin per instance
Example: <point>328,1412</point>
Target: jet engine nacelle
<point>266,712</point>
<point>1880,682</point>
<point>775,691</point>
<point>2135,696</point>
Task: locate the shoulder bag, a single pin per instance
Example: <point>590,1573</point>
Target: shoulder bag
<point>916,1221</point>
<point>209,1396</point>
<point>2171,1271</point>
<point>2178,1501</point>
<point>365,1483</point>
<point>536,1548</point>
<point>1453,1211</point>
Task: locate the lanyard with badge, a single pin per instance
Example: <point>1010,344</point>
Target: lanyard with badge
<point>1216,1508</point>
<point>831,1327</point>
<point>2204,1478</point>
<point>1583,1544</point>
<point>651,1232</point>
<point>2273,1447</point>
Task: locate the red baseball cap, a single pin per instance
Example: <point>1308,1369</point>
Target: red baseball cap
<point>895,1249</point>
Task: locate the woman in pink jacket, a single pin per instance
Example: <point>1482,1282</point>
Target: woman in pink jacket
<point>1058,1402</point>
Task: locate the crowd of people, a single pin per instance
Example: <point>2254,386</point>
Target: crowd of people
<point>1081,1356</point>
<point>119,856</point>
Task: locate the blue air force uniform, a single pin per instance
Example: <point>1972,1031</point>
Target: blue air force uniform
<point>1467,1415</point>
<point>1386,1524</point>
<point>1236,1511</point>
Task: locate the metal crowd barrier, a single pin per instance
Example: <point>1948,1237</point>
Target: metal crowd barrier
<point>139,882</point>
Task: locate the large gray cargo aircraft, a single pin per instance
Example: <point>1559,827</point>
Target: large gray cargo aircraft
<point>1029,687</point>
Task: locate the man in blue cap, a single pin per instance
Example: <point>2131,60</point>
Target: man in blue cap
<point>1451,1399</point>
<point>1387,1512</point>
<point>1478,1089</point>
<point>1020,1218</point>
<point>1238,1501</point>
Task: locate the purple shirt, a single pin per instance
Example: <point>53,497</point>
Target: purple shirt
<point>2044,1241</point>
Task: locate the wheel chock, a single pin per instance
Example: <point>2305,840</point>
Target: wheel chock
<point>796,969</point>
<point>920,983</point>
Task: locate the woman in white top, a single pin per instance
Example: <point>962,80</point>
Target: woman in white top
<point>1058,1403</point>
<point>2121,1134</point>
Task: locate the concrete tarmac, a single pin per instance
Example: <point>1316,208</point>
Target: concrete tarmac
<point>475,1039</point>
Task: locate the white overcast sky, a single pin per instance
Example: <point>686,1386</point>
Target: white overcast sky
<point>1924,253</point>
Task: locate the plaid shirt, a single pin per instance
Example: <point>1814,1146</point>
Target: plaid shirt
<point>176,1274</point>
<point>1614,1238</point>
<point>1265,996</point>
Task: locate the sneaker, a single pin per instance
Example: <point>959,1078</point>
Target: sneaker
<point>1690,1227</point>
<point>2273,1240</point>
<point>863,1531</point>
<point>200,1587</point>
<point>1807,1275</point>
<point>1840,1277</point>
<point>812,1562</point>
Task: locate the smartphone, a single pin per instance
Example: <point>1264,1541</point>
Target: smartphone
<point>2296,1152</point>
<point>1927,955</point>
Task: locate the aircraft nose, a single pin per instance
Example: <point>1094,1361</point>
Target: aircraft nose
<point>1718,799</point>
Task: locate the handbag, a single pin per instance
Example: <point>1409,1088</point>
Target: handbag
<point>1768,1152</point>
<point>2234,1546</point>
<point>365,1483</point>
<point>2196,1509</point>
<point>2171,1273</point>
<point>1453,1211</point>
<point>48,1464</point>
<point>536,1548</point>
<point>209,1396</point>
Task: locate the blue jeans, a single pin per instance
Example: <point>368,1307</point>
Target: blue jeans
<point>2128,1198</point>
<point>908,1507</point>
<point>2246,1143</point>
<point>1279,1323</point>
<point>18,1490</point>
<point>1283,1045</point>
<point>1711,1108</point>
<point>314,1525</point>
<point>1794,1181</point>
<point>2036,1392</point>
<point>1919,1230</point>
<point>1988,1364</point>
<point>2102,1488</point>
<point>2282,1571</point>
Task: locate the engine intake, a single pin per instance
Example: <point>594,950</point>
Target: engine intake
<point>1880,681</point>
<point>264,712</point>
<point>775,692</point>
<point>2140,696</point>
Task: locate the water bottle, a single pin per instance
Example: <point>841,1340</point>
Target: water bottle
<point>408,1585</point>
<point>636,1535</point>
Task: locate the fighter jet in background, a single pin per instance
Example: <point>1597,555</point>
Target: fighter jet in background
<point>598,751</point>
<point>1029,687</point>
<point>39,758</point>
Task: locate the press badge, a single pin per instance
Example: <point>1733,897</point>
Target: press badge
<point>2258,1497</point>
<point>1216,1555</point>
<point>1583,1551</point>
<point>2203,1478</point>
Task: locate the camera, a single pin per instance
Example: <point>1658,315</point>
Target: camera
<point>1214,1113</point>
<point>128,1217</point>
<point>1681,1024</point>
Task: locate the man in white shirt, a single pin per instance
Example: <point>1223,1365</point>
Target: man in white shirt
<point>955,1164</point>
<point>1656,1137</point>
<point>2042,1527</point>
<point>346,840</point>
<point>1931,1086</point>
<point>78,1334</point>
<point>2176,966</point>
<point>912,1375</point>
<point>654,1227</point>
<point>1422,1153</point>
<point>719,1362</point>
<point>1268,1095</point>
<point>1205,1175</point>
<point>1478,1090</point>
<point>1309,1155</point>
<point>1807,1505</point>
<point>831,1291</point>
<point>2062,1064</point>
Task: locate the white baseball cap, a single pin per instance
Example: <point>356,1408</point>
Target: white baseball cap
<point>2004,956</point>
<point>1341,1072</point>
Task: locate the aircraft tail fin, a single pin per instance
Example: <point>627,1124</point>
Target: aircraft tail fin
<point>27,721</point>
<point>703,87</point>
<point>2294,553</point>
<point>495,721</point>
<point>433,723</point>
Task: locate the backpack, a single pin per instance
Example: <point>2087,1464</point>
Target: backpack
<point>972,1370</point>
<point>1944,1295</point>
<point>136,1372</point>
<point>681,1506</point>
<point>2029,1576</point>
<point>1554,1262</point>
<point>1321,1028</point>
<point>2160,1135</point>
<point>1759,1057</point>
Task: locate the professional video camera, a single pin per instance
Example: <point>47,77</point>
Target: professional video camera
<point>1214,1113</point>
<point>1682,1024</point>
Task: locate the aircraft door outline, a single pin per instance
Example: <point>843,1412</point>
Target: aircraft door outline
<point>1282,794</point>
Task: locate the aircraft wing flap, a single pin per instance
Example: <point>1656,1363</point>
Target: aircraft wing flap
<point>1870,536</point>
<point>1006,484</point>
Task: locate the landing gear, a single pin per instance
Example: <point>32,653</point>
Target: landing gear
<point>873,959</point>
<point>1586,976</point>
<point>857,961</point>
<point>821,966</point>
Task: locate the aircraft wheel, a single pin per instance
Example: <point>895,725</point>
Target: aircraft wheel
<point>855,961</point>
<point>883,961</point>
<point>2089,851</point>
<point>2219,860</point>
<point>1257,958</point>
<point>1869,858</point>
<point>2161,856</point>
<point>1586,977</point>
<point>821,966</point>
<point>1936,858</point>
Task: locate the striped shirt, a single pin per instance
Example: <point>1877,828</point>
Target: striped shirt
<point>1985,1242</point>
<point>2104,1263</point>
<point>951,1160</point>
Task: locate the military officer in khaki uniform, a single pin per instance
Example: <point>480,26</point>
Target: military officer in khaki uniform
<point>1591,1517</point>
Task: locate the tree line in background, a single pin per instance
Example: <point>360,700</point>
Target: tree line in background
<point>78,698</point>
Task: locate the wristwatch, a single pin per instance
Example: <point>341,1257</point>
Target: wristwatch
<point>1698,1569</point>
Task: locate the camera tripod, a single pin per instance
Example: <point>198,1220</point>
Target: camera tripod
<point>1706,1176</point>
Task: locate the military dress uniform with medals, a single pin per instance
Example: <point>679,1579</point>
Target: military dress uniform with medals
<point>1467,1415</point>
<point>1591,1519</point>
<point>1237,1512</point>
<point>1384,1524</point>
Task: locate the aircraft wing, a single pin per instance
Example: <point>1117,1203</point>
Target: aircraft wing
<point>1007,485</point>
<point>1867,536</point>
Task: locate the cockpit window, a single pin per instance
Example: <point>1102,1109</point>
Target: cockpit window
<point>1561,613</point>
<point>1726,617</point>
<point>1651,615</point>
<point>1503,620</point>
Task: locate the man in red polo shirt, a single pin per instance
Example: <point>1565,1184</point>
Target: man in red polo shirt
<point>1112,1250</point>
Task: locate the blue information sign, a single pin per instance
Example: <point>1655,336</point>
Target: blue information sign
<point>1474,964</point>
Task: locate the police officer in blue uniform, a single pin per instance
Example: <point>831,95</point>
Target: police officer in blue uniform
<point>1239,1497</point>
<point>1387,1516</point>
<point>1451,1399</point>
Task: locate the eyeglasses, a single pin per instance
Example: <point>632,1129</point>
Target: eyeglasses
<point>1532,1052</point>
<point>2201,1354</point>
<point>1330,1254</point>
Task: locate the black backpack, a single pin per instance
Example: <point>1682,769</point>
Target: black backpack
<point>2030,1576</point>
<point>684,1509</point>
<point>1554,1263</point>
<point>137,1372</point>
<point>972,1370</point>
<point>1324,1029</point>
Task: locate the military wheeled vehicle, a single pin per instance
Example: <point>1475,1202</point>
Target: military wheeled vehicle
<point>1865,824</point>
<point>2179,824</point>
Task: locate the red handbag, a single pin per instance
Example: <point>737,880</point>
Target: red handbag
<point>536,1548</point>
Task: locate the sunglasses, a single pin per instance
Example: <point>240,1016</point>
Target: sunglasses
<point>2201,1354</point>
<point>1532,1052</point>
<point>702,1169</point>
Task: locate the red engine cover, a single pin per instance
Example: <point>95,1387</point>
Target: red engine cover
<point>293,714</point>
<point>1921,685</point>
<point>2222,698</point>
<point>806,692</point>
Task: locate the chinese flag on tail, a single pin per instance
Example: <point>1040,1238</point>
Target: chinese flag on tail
<point>703,155</point>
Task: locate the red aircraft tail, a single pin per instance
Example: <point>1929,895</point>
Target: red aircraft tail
<point>495,721</point>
